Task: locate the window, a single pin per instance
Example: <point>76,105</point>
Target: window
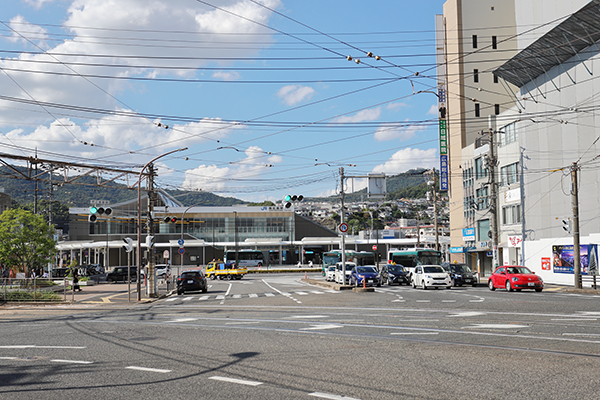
<point>480,171</point>
<point>483,228</point>
<point>495,79</point>
<point>508,134</point>
<point>494,42</point>
<point>483,200</point>
<point>511,214</point>
<point>509,174</point>
<point>476,75</point>
<point>496,109</point>
<point>477,112</point>
<point>474,41</point>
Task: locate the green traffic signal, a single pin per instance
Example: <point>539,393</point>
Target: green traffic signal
<point>93,210</point>
<point>287,197</point>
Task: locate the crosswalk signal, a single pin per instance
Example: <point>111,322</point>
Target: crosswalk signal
<point>128,246</point>
<point>567,225</point>
<point>150,241</point>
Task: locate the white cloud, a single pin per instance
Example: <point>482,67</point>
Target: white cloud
<point>226,75</point>
<point>214,178</point>
<point>37,4</point>
<point>23,31</point>
<point>361,116</point>
<point>433,110</point>
<point>293,94</point>
<point>406,159</point>
<point>401,134</point>
<point>395,106</point>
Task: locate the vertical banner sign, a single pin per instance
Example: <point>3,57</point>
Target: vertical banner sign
<point>443,138</point>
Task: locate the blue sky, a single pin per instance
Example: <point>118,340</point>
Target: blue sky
<point>260,92</point>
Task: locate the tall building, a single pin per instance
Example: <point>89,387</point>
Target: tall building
<point>478,36</point>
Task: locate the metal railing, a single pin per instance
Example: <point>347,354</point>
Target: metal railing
<point>33,289</point>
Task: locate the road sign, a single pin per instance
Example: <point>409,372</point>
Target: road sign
<point>181,250</point>
<point>374,248</point>
<point>166,254</point>
<point>343,227</point>
<point>180,242</point>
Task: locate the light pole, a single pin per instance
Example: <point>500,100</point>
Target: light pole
<point>182,217</point>
<point>139,219</point>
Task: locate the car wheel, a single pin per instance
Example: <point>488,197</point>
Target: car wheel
<point>508,286</point>
<point>204,289</point>
<point>228,277</point>
<point>538,290</point>
<point>424,285</point>
<point>356,283</point>
<point>491,285</point>
<point>414,284</point>
<point>212,277</point>
<point>452,282</point>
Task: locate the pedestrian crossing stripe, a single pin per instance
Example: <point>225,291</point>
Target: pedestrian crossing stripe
<point>239,296</point>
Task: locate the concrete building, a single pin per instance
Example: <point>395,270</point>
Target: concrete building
<point>474,38</point>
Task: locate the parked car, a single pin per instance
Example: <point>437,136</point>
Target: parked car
<point>515,277</point>
<point>119,274</point>
<point>365,275</point>
<point>338,272</point>
<point>192,280</point>
<point>460,274</point>
<point>162,270</point>
<point>394,274</point>
<point>428,276</point>
<point>330,273</point>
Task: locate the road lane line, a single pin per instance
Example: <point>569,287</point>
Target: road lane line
<point>414,333</point>
<point>269,294</point>
<point>204,298</point>
<point>163,371</point>
<point>331,396</point>
<point>237,296</point>
<point>233,380</point>
<point>33,346</point>
<point>72,361</point>
<point>252,295</point>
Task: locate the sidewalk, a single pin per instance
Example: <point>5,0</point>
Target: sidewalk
<point>111,293</point>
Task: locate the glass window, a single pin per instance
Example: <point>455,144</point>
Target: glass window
<point>476,75</point>
<point>509,174</point>
<point>477,110</point>
<point>474,41</point>
<point>480,170</point>
<point>508,134</point>
<point>483,227</point>
<point>482,198</point>
<point>494,42</point>
<point>511,214</point>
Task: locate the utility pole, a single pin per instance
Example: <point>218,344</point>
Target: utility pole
<point>491,165</point>
<point>150,219</point>
<point>575,226</point>
<point>343,236</point>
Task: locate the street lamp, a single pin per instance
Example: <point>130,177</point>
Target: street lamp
<point>139,219</point>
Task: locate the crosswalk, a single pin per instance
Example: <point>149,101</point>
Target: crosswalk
<point>247,295</point>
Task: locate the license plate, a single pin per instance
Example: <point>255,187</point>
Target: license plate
<point>369,280</point>
<point>190,281</point>
<point>531,284</point>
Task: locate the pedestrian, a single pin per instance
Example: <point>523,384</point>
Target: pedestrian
<point>310,264</point>
<point>5,275</point>
<point>76,280</point>
<point>299,264</point>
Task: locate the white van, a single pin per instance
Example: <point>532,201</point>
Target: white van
<point>338,272</point>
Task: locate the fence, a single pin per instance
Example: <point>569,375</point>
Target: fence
<point>33,289</point>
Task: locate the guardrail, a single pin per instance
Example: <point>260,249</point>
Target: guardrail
<point>36,289</point>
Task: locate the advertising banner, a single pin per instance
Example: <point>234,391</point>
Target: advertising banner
<point>562,259</point>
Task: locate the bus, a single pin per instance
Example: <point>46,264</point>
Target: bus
<point>358,257</point>
<point>248,258</point>
<point>410,258</point>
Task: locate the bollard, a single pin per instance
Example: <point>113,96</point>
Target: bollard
<point>364,283</point>
<point>305,275</point>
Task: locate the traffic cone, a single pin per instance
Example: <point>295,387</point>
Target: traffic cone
<point>305,275</point>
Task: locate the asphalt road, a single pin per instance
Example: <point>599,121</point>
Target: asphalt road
<point>275,337</point>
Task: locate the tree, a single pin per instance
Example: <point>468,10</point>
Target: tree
<point>25,240</point>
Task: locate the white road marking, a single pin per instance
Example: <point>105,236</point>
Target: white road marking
<point>574,319</point>
<point>414,333</point>
<point>315,292</point>
<point>252,295</point>
<point>162,371</point>
<point>8,358</point>
<point>282,293</point>
<point>72,361</point>
<point>204,298</point>
<point>309,316</point>
<point>398,301</point>
<point>172,299</point>
<point>423,301</point>
<point>497,326</point>
<point>302,293</point>
<point>269,295</point>
<point>237,296</point>
<point>221,297</point>
<point>33,346</point>
<point>187,298</point>
<point>321,326</point>
<point>331,396</point>
<point>467,314</point>
<point>232,380</point>
<point>185,319</point>
<point>448,301</point>
<point>582,334</point>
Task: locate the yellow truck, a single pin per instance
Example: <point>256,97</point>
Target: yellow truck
<point>222,270</point>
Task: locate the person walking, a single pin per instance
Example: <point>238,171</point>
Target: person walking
<point>76,280</point>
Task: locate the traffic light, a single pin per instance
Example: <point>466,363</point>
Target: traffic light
<point>170,220</point>
<point>149,241</point>
<point>128,246</point>
<point>93,217</point>
<point>291,198</point>
<point>567,225</point>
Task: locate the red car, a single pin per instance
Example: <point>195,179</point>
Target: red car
<point>515,277</point>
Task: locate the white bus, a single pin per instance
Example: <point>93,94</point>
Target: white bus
<point>248,258</point>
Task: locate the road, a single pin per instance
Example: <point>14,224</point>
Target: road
<point>275,337</point>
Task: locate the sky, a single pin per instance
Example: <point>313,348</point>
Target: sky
<point>270,97</point>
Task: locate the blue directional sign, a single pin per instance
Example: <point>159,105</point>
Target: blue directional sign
<point>180,242</point>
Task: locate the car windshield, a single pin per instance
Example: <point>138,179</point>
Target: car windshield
<point>396,269</point>
<point>332,268</point>
<point>518,270</point>
<point>366,269</point>
<point>433,269</point>
<point>191,274</point>
<point>460,269</point>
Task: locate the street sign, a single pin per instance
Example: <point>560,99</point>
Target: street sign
<point>343,227</point>
<point>374,248</point>
<point>180,242</point>
<point>166,254</point>
<point>181,250</point>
